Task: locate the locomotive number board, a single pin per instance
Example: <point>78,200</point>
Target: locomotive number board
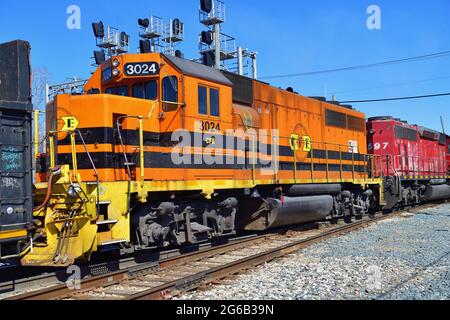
<point>141,69</point>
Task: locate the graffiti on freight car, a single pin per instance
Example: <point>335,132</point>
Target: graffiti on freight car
<point>11,158</point>
<point>12,183</point>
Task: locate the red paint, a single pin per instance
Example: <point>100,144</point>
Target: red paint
<point>406,150</point>
<point>448,155</point>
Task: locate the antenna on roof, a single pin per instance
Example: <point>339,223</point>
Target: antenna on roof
<point>219,50</point>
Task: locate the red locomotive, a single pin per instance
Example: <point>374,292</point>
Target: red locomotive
<point>412,161</point>
<point>448,155</point>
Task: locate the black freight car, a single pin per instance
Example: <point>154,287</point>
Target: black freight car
<point>16,202</point>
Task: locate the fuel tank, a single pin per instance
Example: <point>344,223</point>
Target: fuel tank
<point>436,182</point>
<point>274,213</point>
<point>441,192</point>
<point>314,190</point>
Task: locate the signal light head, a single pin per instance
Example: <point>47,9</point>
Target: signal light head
<point>206,6</point>
<point>145,46</point>
<point>144,23</point>
<point>208,58</point>
<point>177,27</point>
<point>99,57</point>
<point>99,29</point>
<point>124,39</point>
<point>207,37</point>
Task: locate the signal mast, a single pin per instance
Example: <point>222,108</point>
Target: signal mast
<point>112,42</point>
<point>156,36</point>
<point>219,50</point>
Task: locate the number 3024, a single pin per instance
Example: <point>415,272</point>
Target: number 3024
<point>141,69</point>
<point>210,126</point>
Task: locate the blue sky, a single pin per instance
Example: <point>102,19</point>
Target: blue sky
<point>290,36</point>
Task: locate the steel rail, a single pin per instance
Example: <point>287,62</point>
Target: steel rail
<point>50,278</point>
<point>107,279</point>
<point>173,282</point>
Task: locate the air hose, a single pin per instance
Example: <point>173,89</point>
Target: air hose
<point>49,190</point>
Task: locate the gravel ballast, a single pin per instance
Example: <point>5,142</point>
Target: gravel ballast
<point>403,258</point>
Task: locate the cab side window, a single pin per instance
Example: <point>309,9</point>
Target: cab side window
<point>208,101</point>
<point>214,102</point>
<point>170,93</point>
<point>202,100</point>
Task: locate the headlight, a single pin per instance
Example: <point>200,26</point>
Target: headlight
<point>116,72</point>
<point>116,63</point>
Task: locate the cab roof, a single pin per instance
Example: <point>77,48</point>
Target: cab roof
<point>194,69</point>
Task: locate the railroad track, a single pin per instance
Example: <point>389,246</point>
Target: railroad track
<point>174,276</point>
<point>18,280</point>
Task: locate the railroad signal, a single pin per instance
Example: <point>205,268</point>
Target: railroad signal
<point>207,37</point>
<point>208,58</point>
<point>177,27</point>
<point>220,50</point>
<point>124,40</point>
<point>99,57</point>
<point>144,23</point>
<point>99,29</point>
<point>206,5</point>
<point>110,41</point>
<point>145,46</point>
<point>158,36</point>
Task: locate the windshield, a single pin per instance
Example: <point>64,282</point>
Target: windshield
<point>146,90</point>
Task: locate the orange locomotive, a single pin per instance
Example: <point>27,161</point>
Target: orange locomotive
<point>127,169</point>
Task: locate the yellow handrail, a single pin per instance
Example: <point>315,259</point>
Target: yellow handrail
<point>52,150</point>
<point>74,154</point>
<point>36,133</point>
<point>141,151</point>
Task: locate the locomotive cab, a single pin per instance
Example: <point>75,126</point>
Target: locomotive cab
<point>164,93</point>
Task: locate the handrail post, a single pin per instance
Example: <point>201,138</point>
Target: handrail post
<point>327,162</point>
<point>312,162</point>
<point>353,164</point>
<point>254,160</point>
<point>388,165</point>
<point>52,150</point>
<point>36,134</point>
<point>141,151</point>
<point>372,166</point>
<point>295,166</point>
<point>366,164</point>
<point>97,178</point>
<point>74,155</point>
<point>423,167</point>
<point>340,161</point>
